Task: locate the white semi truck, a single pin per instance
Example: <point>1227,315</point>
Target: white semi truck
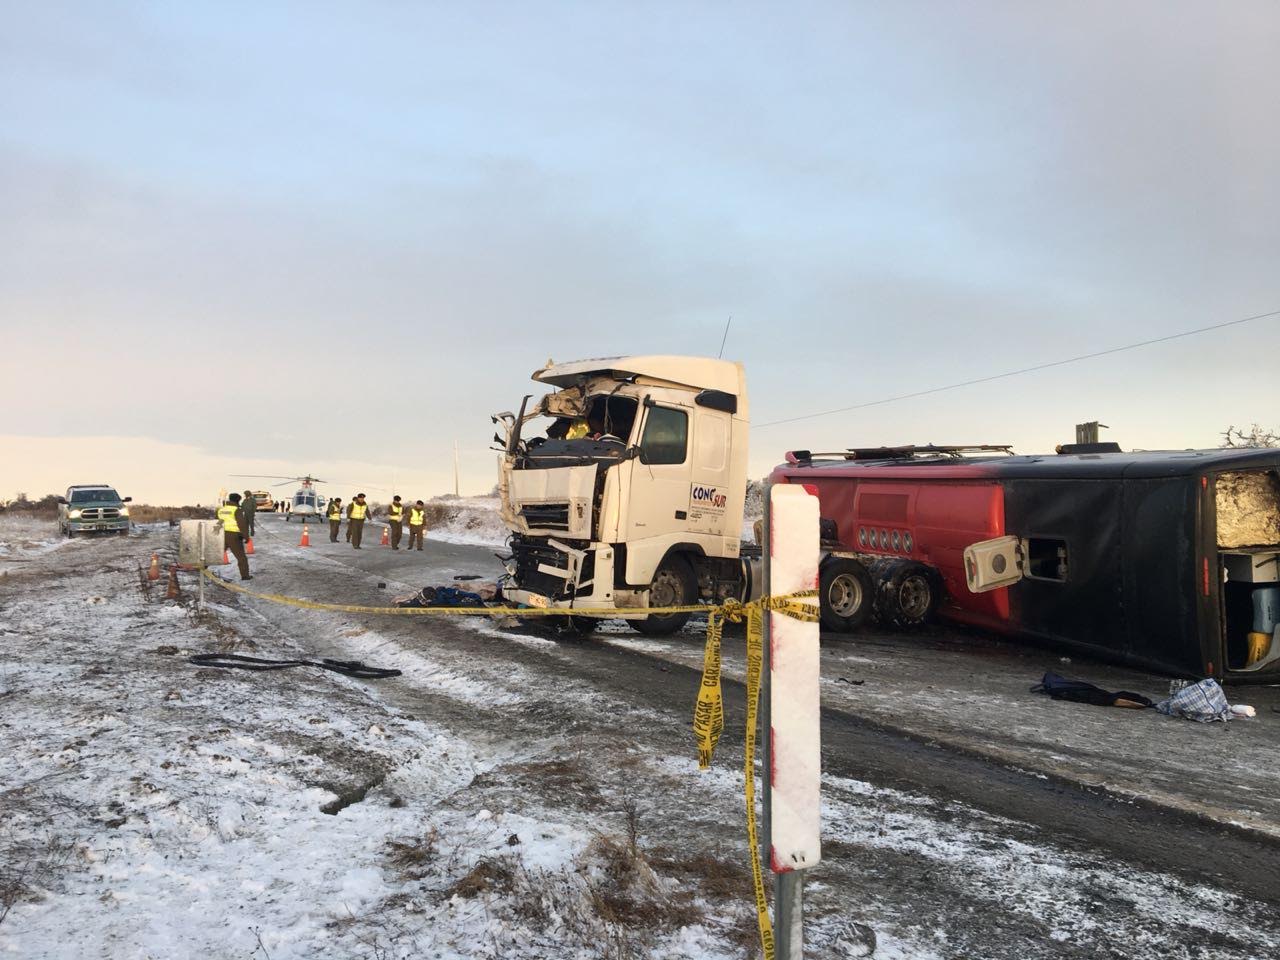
<point>624,487</point>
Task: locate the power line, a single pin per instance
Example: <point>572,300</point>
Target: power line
<point>1015,373</point>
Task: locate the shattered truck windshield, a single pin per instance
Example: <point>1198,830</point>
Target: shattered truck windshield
<point>569,429</point>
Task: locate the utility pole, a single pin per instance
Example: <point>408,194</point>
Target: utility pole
<point>456,486</point>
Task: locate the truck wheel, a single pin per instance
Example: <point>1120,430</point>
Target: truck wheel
<point>674,585</point>
<point>910,594</point>
<point>845,596</point>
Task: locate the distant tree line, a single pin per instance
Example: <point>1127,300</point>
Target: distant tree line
<point>46,506</point>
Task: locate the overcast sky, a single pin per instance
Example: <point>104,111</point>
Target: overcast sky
<point>278,238</point>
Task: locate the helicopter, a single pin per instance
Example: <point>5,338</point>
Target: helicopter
<point>307,501</point>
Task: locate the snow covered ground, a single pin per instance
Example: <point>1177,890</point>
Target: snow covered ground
<point>508,797</point>
<point>151,808</point>
<point>470,520</point>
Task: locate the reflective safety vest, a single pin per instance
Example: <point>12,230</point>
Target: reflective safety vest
<point>417,517</point>
<point>227,514</point>
<point>335,512</point>
<point>357,511</point>
<point>395,511</point>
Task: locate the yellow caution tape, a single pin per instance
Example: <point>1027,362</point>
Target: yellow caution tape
<point>708,713</point>
<point>708,717</point>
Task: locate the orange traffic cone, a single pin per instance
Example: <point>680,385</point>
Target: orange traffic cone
<point>154,572</point>
<point>248,546</point>
<point>173,593</point>
<point>306,537</point>
<point>226,557</point>
<point>386,536</point>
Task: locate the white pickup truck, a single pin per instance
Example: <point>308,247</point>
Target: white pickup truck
<point>624,487</point>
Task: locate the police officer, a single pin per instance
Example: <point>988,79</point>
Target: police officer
<point>357,511</point>
<point>250,508</point>
<point>395,520</point>
<point>334,514</point>
<point>234,522</point>
<point>417,521</point>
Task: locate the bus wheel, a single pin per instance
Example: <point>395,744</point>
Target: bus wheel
<point>911,594</point>
<point>845,596</point>
<point>674,585</point>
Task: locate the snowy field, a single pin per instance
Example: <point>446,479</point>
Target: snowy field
<point>153,809</point>
<point>469,520</point>
<point>508,797</point>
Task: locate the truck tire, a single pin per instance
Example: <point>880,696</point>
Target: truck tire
<point>909,594</point>
<point>845,595</point>
<point>674,585</point>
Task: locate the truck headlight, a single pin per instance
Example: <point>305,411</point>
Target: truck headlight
<point>124,511</point>
<point>74,514</point>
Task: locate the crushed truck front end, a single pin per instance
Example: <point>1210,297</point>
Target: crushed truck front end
<point>624,487</point>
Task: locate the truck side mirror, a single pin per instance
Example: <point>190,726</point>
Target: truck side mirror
<point>127,500</point>
<point>62,500</point>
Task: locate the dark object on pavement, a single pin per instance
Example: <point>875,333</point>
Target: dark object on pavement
<point>443,597</point>
<point>235,661</point>
<point>1079,691</point>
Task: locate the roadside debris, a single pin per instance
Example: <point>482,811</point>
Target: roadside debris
<point>1203,702</point>
<point>442,597</point>
<point>236,661</point>
<point>1080,691</point>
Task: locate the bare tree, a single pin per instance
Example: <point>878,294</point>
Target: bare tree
<point>1253,437</point>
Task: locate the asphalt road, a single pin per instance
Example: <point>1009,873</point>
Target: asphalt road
<point>930,840</point>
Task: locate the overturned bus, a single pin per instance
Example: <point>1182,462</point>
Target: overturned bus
<point>1165,560</point>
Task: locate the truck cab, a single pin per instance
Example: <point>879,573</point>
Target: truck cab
<point>624,486</point>
<point>93,508</point>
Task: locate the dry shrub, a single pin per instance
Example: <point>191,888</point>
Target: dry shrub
<point>489,875</point>
<point>412,857</point>
<point>437,513</point>
<point>145,513</point>
<point>717,875</point>
<point>559,777</point>
<point>31,856</point>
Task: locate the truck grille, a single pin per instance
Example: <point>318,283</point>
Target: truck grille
<point>528,556</point>
<point>100,513</point>
<point>546,516</point>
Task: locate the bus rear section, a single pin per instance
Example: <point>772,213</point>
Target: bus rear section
<point>1246,519</point>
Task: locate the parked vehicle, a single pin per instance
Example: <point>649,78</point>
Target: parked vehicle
<point>93,508</point>
<point>263,500</point>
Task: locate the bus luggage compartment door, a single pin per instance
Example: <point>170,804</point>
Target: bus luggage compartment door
<point>993,564</point>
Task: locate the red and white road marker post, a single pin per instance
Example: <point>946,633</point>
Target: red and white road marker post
<point>792,710</point>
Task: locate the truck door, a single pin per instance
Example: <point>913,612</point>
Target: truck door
<point>709,491</point>
<point>661,474</point>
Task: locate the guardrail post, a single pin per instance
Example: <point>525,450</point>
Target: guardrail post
<point>792,711</point>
